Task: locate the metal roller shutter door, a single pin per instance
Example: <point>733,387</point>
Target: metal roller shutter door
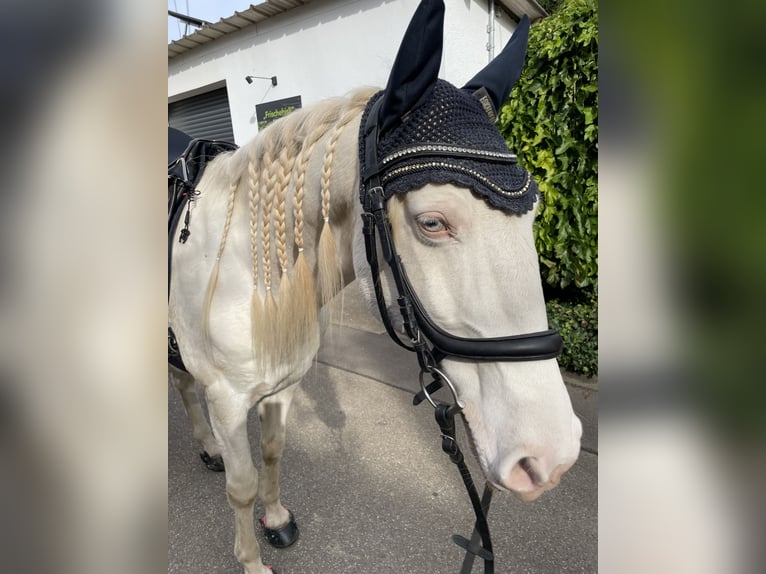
<point>204,116</point>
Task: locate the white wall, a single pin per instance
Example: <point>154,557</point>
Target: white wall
<point>466,38</point>
<point>325,48</point>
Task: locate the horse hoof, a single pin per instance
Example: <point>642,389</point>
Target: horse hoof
<point>281,537</point>
<point>214,463</point>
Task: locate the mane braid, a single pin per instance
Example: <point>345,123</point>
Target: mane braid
<point>286,334</point>
<point>213,281</point>
<point>304,286</point>
<point>268,190</point>
<point>330,274</point>
<point>267,340</point>
<point>254,194</point>
<point>300,178</point>
<point>254,191</point>
<point>279,214</point>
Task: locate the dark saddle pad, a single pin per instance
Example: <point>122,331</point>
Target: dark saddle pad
<point>187,158</point>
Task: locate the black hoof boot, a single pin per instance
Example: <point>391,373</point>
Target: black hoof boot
<point>214,463</point>
<point>281,537</point>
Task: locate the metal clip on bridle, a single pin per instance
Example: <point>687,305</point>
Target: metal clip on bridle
<point>428,367</point>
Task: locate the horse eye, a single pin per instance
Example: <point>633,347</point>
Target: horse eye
<point>431,224</point>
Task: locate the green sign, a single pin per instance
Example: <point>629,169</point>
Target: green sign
<point>272,111</point>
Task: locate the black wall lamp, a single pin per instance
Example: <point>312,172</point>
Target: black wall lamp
<point>249,79</point>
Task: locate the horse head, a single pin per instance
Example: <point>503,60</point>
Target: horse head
<point>460,213</point>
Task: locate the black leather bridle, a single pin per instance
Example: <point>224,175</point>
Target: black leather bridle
<point>428,340</point>
<point>527,347</point>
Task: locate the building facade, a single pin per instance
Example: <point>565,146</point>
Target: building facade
<point>298,52</point>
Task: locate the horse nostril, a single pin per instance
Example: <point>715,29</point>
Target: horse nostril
<point>532,468</point>
<point>527,474</point>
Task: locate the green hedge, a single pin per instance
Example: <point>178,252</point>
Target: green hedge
<point>551,123</point>
<point>577,323</point>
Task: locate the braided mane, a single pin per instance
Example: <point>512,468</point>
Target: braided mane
<point>271,173</point>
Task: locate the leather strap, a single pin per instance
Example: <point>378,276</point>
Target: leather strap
<point>445,418</point>
<point>486,499</point>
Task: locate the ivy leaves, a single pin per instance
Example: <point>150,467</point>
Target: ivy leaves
<point>551,122</point>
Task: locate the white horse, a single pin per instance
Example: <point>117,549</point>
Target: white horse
<point>276,233</point>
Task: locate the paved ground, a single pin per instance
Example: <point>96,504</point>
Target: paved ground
<point>364,474</point>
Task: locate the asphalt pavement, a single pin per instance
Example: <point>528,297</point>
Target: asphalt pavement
<point>365,476</point>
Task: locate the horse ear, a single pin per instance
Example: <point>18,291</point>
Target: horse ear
<point>499,76</point>
<point>417,63</point>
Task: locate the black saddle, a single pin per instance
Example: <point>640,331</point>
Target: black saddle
<point>187,159</point>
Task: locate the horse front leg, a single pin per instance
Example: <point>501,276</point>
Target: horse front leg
<point>211,452</point>
<point>228,415</point>
<point>279,524</point>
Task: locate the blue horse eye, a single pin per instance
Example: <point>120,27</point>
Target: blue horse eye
<point>431,224</point>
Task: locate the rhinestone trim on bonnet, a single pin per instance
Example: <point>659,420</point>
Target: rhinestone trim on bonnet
<point>477,153</point>
<point>449,139</point>
<point>441,164</point>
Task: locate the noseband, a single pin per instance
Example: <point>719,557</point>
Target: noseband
<point>432,343</point>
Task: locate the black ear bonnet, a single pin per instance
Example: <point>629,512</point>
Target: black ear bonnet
<point>450,139</point>
<point>425,130</point>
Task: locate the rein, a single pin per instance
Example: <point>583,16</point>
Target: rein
<point>431,343</point>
